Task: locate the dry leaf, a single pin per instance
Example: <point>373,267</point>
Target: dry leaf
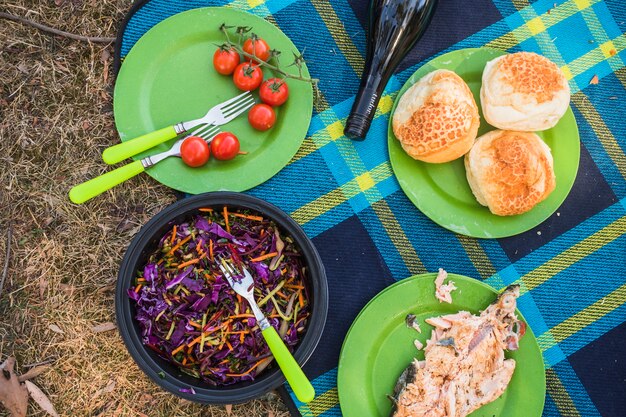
<point>41,399</point>
<point>13,395</point>
<point>109,388</point>
<point>105,55</point>
<point>55,328</point>
<point>61,67</point>
<point>43,284</point>
<point>33,372</point>
<point>104,327</point>
<point>229,408</point>
<point>594,80</point>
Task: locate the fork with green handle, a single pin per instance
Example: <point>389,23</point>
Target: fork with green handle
<point>218,115</point>
<point>244,286</point>
<point>96,186</point>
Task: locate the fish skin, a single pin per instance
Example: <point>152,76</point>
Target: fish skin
<point>464,367</point>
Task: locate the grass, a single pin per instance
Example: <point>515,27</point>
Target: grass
<point>55,119</point>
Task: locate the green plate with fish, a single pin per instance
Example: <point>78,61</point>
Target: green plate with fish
<point>379,346</point>
<point>441,191</point>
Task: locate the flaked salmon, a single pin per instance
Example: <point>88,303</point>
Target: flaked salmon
<point>464,366</point>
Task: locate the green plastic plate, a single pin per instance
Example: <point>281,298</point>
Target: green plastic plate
<point>441,191</point>
<point>168,77</point>
<point>379,346</point>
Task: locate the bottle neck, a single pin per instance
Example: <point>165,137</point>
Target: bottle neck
<point>372,85</point>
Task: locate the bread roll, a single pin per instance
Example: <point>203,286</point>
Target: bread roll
<point>523,91</point>
<point>510,172</point>
<point>437,120</point>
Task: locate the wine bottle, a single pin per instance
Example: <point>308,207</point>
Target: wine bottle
<point>394,27</point>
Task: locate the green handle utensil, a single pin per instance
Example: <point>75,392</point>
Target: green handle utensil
<point>218,115</point>
<point>244,286</point>
<point>96,186</point>
<point>124,150</point>
<point>297,380</point>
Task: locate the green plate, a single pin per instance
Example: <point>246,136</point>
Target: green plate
<point>168,77</point>
<point>441,191</point>
<point>379,346</point>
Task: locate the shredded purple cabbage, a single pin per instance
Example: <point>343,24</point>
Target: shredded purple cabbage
<point>172,302</point>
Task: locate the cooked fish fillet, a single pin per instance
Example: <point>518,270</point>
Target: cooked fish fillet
<point>464,366</point>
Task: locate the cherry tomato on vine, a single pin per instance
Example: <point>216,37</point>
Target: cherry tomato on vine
<point>225,146</point>
<point>225,60</point>
<point>261,116</point>
<point>247,76</point>
<point>194,151</point>
<point>258,47</point>
<point>274,92</point>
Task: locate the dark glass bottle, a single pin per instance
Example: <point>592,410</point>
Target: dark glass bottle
<point>394,27</point>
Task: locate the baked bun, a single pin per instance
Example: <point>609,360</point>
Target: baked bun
<point>437,120</point>
<point>523,91</point>
<point>510,172</point>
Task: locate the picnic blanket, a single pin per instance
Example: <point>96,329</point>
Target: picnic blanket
<point>572,267</point>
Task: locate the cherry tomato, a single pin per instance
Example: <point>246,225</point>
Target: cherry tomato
<point>261,116</point>
<point>247,76</point>
<point>194,151</point>
<point>225,60</point>
<point>274,92</point>
<point>258,47</point>
<point>225,146</point>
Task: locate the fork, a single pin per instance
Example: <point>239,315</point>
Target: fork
<point>218,115</point>
<point>245,287</point>
<point>96,186</point>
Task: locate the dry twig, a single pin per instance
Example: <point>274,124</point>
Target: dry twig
<point>5,270</point>
<point>48,29</point>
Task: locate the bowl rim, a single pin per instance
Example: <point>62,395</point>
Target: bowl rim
<point>126,322</point>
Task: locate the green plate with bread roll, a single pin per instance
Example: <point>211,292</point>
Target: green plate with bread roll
<point>441,190</point>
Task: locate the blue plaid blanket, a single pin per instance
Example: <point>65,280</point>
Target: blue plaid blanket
<point>572,267</point>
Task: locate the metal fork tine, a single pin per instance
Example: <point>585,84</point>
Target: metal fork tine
<point>234,99</point>
<point>241,107</point>
<point>204,129</point>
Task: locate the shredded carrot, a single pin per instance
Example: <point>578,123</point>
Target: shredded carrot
<point>208,277</point>
<point>194,324</point>
<point>230,347</point>
<point>282,295</point>
<point>240,316</point>
<point>241,337</point>
<point>263,257</point>
<point>300,299</point>
<point>248,371</point>
<point>137,288</point>
<point>211,250</point>
<point>190,262</point>
<point>300,321</point>
<point>226,219</point>
<point>262,232</point>
<point>294,286</point>
<point>239,300</point>
<point>239,332</point>
<point>173,238</point>
<point>184,361</point>
<point>247,216</point>
<point>283,271</point>
<point>181,243</point>
<point>178,349</point>
<point>141,280</point>
<point>206,209</point>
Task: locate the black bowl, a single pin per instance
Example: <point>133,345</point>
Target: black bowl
<point>167,375</point>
